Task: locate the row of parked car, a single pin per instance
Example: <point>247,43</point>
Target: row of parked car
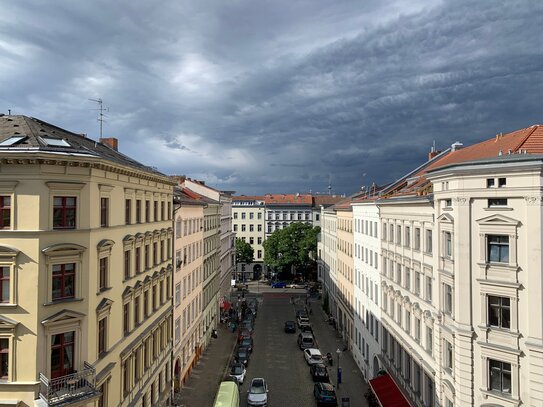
<point>257,394</point>
<point>323,391</point>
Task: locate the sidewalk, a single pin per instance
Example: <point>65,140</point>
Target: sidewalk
<point>353,384</point>
<point>203,383</point>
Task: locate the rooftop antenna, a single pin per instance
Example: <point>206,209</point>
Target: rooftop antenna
<point>329,184</point>
<point>101,115</point>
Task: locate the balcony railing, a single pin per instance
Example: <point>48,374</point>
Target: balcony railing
<point>72,388</point>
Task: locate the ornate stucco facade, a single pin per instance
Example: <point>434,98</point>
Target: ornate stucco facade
<point>86,256</point>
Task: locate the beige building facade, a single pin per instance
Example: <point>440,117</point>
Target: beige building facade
<point>188,283</point>
<point>86,271</point>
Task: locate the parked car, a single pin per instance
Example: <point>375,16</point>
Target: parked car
<point>258,393</point>
<point>247,325</point>
<point>319,373</point>
<point>312,356</point>
<point>238,371</point>
<point>278,284</point>
<point>301,313</point>
<point>244,333</point>
<point>290,327</point>
<point>306,327</point>
<point>325,395</point>
<point>302,320</point>
<point>295,285</point>
<point>243,355</point>
<point>247,343</point>
<point>305,340</point>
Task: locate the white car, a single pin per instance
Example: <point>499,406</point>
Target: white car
<point>237,371</point>
<point>312,356</point>
<point>302,320</point>
<point>258,393</point>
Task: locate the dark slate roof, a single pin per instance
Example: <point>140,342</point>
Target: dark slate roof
<point>35,131</point>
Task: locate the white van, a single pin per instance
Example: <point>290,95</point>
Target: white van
<point>306,340</point>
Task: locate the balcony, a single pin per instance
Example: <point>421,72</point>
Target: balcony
<point>70,390</point>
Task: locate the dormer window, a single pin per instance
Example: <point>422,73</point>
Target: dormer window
<point>490,183</point>
<point>501,182</point>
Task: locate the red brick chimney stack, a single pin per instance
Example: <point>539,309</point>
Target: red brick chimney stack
<point>111,142</point>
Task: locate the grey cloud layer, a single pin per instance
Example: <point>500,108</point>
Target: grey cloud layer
<point>278,96</point>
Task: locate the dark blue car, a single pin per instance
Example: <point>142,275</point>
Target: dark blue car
<point>278,284</point>
<point>325,395</point>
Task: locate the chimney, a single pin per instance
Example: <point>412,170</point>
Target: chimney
<point>456,146</point>
<point>111,142</point>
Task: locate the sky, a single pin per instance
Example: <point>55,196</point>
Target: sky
<point>277,96</point>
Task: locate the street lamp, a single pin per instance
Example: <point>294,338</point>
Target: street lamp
<point>338,368</point>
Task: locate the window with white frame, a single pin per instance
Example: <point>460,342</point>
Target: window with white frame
<point>448,356</point>
<point>447,299</point>
<point>447,244</point>
<point>499,374</point>
<point>497,249</point>
<point>499,311</point>
<point>417,239</point>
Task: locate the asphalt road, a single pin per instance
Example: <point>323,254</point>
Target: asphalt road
<point>276,356</point>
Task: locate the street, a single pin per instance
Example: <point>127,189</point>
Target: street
<point>277,358</point>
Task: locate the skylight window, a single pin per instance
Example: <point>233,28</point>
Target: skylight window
<point>55,142</point>
<point>12,141</point>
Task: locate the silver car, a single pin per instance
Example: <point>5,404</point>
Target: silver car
<point>258,393</point>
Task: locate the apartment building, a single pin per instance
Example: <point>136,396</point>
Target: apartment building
<point>188,283</point>
<point>211,255</point>
<point>367,284</point>
<point>284,209</point>
<point>345,271</point>
<point>227,249</point>
<point>327,260</point>
<point>248,214</point>
<point>86,280</point>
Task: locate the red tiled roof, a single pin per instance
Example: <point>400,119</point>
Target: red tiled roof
<point>247,198</point>
<point>300,199</point>
<point>387,392</point>
<point>529,139</point>
<point>325,200</point>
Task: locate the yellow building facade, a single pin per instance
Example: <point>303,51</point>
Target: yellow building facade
<point>86,271</point>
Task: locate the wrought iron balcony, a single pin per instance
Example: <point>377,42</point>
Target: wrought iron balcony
<point>69,389</point>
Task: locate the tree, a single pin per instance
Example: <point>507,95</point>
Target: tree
<point>292,248</point>
<point>244,251</point>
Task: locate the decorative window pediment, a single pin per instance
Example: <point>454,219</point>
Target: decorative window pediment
<point>65,315</point>
<point>7,324</point>
<point>61,249</point>
<point>445,218</point>
<point>8,253</point>
<point>498,220</point>
<point>127,293</point>
<point>104,306</point>
<point>105,245</point>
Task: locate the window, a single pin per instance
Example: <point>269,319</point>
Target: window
<point>177,294</point>
<point>126,318</point>
<point>146,303</point>
<point>448,355</point>
<point>103,274</point>
<point>429,340</point>
<point>417,239</point>
<point>146,256</point>
<point>155,211</point>
<point>498,249</point>
<point>490,183</point>
<point>138,210</point>
<point>162,208</point>
<point>428,289</point>
<point>407,241</point>
<point>497,202</point>
<point>243,227</point>
<point>64,208</point>
<point>127,264</point>
<point>407,282</point>
<point>447,240</point>
<point>63,281</point>
<point>259,240</point>
<point>102,336</point>
<point>417,329</point>
<point>384,234</point>
<point>138,260</point>
<point>391,234</point>
<point>5,288</point>
<point>243,215</point>
<point>417,282</point>
<point>235,215</point>
<point>429,246</point>
<point>448,203</point>
<point>259,254</point>
<point>500,376</point>
<point>5,212</point>
<point>147,211</point>
<point>501,182</point>
<point>62,354</point>
<point>407,322</point>
<point>398,235</point>
<point>448,298</point>
<point>137,311</point>
<point>499,312</point>
<point>128,211</point>
<point>104,210</point>
<point>4,358</point>
<point>235,228</point>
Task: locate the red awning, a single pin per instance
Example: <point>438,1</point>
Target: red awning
<point>387,392</point>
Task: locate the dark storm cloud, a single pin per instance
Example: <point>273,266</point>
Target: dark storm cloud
<point>277,96</point>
